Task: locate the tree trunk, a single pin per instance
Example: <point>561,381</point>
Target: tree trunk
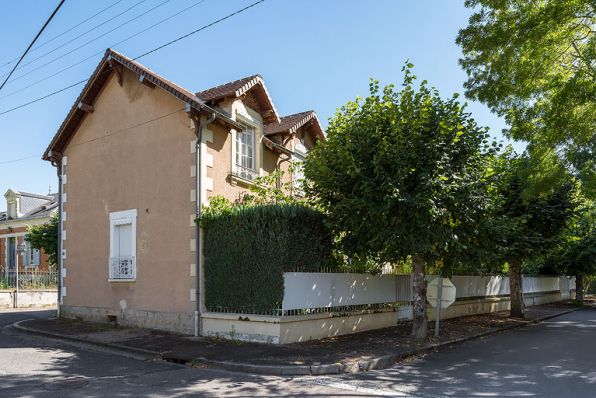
<point>515,288</point>
<point>579,289</point>
<point>419,304</point>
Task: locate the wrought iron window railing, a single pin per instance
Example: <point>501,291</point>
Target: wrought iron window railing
<point>244,172</point>
<point>123,268</point>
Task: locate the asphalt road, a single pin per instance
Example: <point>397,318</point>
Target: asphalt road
<point>31,367</point>
<point>551,359</point>
<point>556,358</point>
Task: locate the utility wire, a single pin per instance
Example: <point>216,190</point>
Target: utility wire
<point>102,137</point>
<point>89,42</point>
<point>101,52</point>
<point>142,55</point>
<point>65,32</point>
<point>198,30</point>
<point>33,42</point>
<point>83,34</point>
<point>18,160</point>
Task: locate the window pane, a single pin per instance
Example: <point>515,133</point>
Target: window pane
<point>245,147</point>
<point>123,240</point>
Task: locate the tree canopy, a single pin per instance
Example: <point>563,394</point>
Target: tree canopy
<point>533,63</point>
<point>402,173</point>
<point>576,252</point>
<point>45,236</point>
<point>526,227</point>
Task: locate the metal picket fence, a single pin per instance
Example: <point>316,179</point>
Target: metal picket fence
<point>29,280</point>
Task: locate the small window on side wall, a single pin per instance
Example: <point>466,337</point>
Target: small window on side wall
<point>123,246</point>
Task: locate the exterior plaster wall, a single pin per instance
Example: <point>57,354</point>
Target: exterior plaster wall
<point>132,152</point>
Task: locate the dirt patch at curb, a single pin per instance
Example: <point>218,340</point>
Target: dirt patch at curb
<point>343,349</point>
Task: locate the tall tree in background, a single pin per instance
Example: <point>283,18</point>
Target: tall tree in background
<point>533,62</point>
<point>45,236</point>
<point>528,226</point>
<point>576,253</point>
<point>402,174</point>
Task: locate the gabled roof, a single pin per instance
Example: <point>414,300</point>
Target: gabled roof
<point>32,204</point>
<point>290,124</point>
<point>240,87</point>
<point>111,61</point>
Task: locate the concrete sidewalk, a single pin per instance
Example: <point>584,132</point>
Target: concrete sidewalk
<point>360,352</point>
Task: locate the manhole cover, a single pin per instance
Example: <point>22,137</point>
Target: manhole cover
<point>65,384</point>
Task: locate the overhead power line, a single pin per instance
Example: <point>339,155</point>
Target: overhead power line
<point>140,56</point>
<point>65,32</point>
<point>101,52</point>
<point>18,160</point>
<point>33,42</point>
<point>91,41</point>
<point>111,134</point>
<point>200,29</point>
<point>84,33</point>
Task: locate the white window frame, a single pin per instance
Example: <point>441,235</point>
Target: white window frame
<point>29,256</point>
<point>238,170</point>
<point>298,173</point>
<point>123,218</point>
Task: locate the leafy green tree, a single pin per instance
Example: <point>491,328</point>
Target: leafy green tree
<point>527,226</point>
<point>576,252</point>
<point>533,62</point>
<point>401,176</point>
<point>45,236</point>
<point>269,189</point>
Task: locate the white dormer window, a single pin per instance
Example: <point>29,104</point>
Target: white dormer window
<point>12,210</point>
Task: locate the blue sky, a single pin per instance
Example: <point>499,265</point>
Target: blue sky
<point>312,54</point>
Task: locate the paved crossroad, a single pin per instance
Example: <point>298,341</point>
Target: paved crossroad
<point>552,359</point>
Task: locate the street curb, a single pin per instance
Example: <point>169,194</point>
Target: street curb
<point>138,353</point>
<point>379,363</point>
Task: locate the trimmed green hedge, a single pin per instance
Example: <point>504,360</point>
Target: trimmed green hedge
<point>248,248</point>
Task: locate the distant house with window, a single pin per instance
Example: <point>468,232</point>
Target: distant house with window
<point>130,167</point>
<point>23,209</point>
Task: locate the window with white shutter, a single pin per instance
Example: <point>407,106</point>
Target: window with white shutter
<point>123,246</point>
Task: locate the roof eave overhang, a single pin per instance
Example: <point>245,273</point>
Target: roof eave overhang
<point>92,90</point>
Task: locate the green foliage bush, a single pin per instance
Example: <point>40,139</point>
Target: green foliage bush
<point>247,249</point>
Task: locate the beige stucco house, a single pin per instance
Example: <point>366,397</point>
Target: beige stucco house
<point>128,162</point>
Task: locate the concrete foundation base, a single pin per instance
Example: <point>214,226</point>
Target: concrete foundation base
<point>491,304</point>
<point>171,321</point>
<point>291,329</point>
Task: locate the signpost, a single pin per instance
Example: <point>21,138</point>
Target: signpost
<point>440,294</point>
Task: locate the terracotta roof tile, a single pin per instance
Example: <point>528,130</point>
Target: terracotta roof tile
<point>293,122</point>
<point>225,90</point>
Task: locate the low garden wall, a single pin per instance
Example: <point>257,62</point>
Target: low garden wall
<point>28,298</point>
<point>318,305</point>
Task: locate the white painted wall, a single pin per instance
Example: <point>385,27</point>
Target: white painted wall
<point>28,298</point>
<point>322,290</point>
